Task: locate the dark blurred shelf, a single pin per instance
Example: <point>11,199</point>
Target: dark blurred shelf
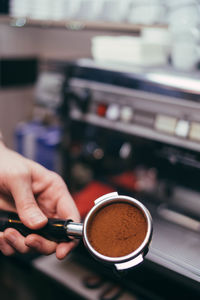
<point>76,24</point>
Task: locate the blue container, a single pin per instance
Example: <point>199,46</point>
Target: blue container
<point>39,143</point>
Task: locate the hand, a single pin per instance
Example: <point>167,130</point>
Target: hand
<point>36,194</point>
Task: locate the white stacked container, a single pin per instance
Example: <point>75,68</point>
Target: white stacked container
<point>89,9</point>
<point>184,26</point>
<point>147,12</point>
<point>115,10</point>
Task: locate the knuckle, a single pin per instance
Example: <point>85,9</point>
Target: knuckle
<point>7,233</point>
<point>20,172</point>
<point>5,248</point>
<point>55,176</point>
<point>23,173</point>
<point>57,180</point>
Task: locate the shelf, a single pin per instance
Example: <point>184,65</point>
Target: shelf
<point>77,25</point>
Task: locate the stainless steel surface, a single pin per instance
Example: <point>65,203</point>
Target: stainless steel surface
<point>148,103</point>
<point>175,248</point>
<point>136,256</point>
<point>176,95</point>
<point>178,218</point>
<point>79,230</point>
<point>165,76</point>
<point>75,229</point>
<point>72,274</point>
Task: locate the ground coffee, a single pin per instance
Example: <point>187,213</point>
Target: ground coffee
<point>117,229</point>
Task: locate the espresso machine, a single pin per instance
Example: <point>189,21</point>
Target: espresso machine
<point>135,131</point>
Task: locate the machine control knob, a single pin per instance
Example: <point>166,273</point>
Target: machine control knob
<point>82,99</point>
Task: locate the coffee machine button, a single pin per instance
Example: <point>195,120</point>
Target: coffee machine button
<point>101,110</point>
<point>182,128</point>
<point>126,114</point>
<point>195,131</point>
<point>84,100</point>
<point>166,124</point>
<point>113,112</point>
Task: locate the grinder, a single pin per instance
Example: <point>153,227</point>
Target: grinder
<point>66,230</point>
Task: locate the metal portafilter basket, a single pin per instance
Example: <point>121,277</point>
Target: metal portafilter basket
<point>66,230</point>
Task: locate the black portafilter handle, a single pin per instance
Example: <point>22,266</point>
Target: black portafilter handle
<point>55,230</point>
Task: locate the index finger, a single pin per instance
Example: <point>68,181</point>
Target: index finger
<point>27,208</point>
<point>66,207</point>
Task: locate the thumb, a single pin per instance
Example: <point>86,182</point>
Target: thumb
<point>27,208</point>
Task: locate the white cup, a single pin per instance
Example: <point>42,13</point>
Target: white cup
<point>184,16</point>
<point>185,56</point>
<point>147,14</point>
<point>89,9</point>
<point>114,10</point>
<point>71,8</point>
